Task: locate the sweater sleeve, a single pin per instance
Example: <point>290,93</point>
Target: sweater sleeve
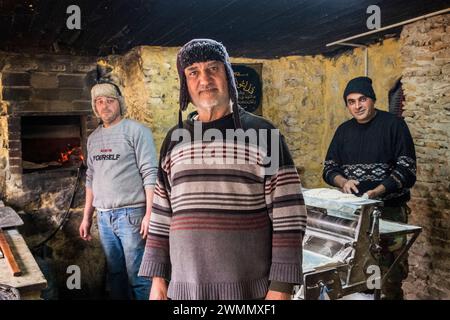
<point>287,211</point>
<point>156,259</point>
<point>90,168</point>
<point>146,156</point>
<point>332,165</point>
<point>404,172</point>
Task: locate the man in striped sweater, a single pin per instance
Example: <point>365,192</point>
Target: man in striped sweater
<point>226,222</point>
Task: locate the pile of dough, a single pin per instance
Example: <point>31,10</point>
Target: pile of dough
<point>330,194</point>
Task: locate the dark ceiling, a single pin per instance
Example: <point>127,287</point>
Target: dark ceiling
<point>250,28</point>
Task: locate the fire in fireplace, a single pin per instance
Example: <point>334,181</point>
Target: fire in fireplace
<point>51,142</point>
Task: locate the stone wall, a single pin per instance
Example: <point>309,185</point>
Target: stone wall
<point>293,100</point>
<point>384,67</point>
<point>44,85</point>
<point>37,85</point>
<point>425,51</point>
<point>149,81</point>
<point>302,96</point>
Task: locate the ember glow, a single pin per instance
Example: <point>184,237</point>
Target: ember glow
<point>72,155</point>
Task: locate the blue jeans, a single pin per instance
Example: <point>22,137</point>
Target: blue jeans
<point>123,247</point>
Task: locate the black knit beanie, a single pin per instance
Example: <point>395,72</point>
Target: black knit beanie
<point>202,50</point>
<point>362,85</point>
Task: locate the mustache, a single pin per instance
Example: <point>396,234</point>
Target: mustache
<point>208,88</point>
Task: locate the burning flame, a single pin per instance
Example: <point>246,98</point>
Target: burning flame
<point>71,154</point>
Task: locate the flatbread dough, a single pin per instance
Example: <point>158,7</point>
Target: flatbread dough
<point>331,194</point>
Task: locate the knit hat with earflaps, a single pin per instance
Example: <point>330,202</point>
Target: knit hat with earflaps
<point>202,50</point>
<point>107,90</point>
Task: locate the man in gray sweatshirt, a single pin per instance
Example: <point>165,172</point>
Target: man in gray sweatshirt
<point>120,179</point>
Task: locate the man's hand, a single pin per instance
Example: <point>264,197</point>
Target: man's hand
<point>86,223</point>
<point>85,229</point>
<point>146,220</point>
<point>144,225</point>
<point>159,289</point>
<point>350,185</point>
<point>374,193</point>
<point>371,194</point>
<point>275,295</point>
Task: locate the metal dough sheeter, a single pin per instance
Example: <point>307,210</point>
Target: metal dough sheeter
<point>341,247</point>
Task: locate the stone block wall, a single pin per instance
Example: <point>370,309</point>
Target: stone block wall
<point>293,101</point>
<point>302,96</point>
<point>425,52</point>
<point>38,85</point>
<point>44,85</point>
<point>149,82</point>
<point>384,68</point>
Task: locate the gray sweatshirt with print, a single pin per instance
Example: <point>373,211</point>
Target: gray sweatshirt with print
<point>122,162</point>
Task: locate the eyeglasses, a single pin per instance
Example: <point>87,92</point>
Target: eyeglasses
<point>362,99</point>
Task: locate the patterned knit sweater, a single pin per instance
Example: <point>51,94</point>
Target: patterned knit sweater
<point>378,152</point>
<point>221,230</point>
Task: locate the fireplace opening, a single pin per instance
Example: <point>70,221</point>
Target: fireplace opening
<point>51,142</point>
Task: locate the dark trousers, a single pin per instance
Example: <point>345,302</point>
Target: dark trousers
<point>390,249</point>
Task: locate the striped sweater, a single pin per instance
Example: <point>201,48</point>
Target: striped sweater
<point>222,225</point>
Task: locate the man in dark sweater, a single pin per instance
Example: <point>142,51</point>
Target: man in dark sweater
<point>373,154</point>
<point>225,224</point>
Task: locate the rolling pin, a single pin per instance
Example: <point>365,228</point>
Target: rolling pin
<point>12,263</point>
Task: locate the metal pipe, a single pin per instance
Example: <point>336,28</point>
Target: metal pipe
<point>389,27</point>
<point>366,62</point>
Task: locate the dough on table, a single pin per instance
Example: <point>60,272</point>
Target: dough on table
<point>330,194</point>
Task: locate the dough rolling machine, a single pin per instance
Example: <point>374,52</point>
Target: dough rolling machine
<point>341,246</point>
